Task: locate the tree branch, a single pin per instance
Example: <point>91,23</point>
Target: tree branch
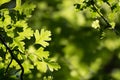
<point>13,57</point>
<point>8,66</point>
<point>101,15</point>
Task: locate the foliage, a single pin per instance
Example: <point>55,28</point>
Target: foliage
<point>85,37</point>
<point>22,49</point>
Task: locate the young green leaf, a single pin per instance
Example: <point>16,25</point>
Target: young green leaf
<point>24,8</point>
<point>41,53</point>
<point>18,43</point>
<point>42,37</point>
<point>21,23</point>
<point>3,1</point>
<point>27,66</point>
<point>41,66</point>
<point>27,33</point>
<point>18,3</point>
<point>53,66</point>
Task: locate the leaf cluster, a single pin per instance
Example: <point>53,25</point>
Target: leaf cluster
<point>18,52</point>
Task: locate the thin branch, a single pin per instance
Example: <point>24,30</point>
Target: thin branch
<point>8,66</point>
<point>108,24</point>
<point>13,57</point>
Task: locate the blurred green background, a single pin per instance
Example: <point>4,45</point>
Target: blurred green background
<point>80,50</point>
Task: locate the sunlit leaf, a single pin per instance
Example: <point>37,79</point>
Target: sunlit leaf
<point>18,3</point>
<point>53,66</point>
<point>42,37</point>
<point>24,8</point>
<point>33,58</point>
<point>27,66</point>
<point>95,24</point>
<point>19,44</point>
<point>27,33</point>
<point>1,63</point>
<point>41,66</point>
<point>41,53</point>
<point>21,23</point>
<point>4,1</point>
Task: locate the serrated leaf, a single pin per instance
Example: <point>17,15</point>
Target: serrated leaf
<point>41,66</point>
<point>33,58</point>
<point>7,20</point>
<point>4,1</point>
<point>19,44</point>
<point>27,66</point>
<point>41,53</point>
<point>27,33</point>
<point>14,64</point>
<point>53,66</point>
<point>25,9</point>
<point>21,23</point>
<point>42,37</point>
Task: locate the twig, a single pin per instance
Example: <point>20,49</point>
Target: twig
<point>108,24</point>
<point>13,57</point>
<point>8,66</point>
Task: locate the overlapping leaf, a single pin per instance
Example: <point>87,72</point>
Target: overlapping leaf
<point>16,29</point>
<point>24,8</point>
<point>27,33</point>
<point>27,66</point>
<point>53,66</point>
<point>19,44</point>
<point>41,66</point>
<point>41,53</point>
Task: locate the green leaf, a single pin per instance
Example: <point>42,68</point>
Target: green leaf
<point>4,1</point>
<point>18,3</point>
<point>18,43</point>
<point>42,37</point>
<point>21,23</point>
<point>1,22</point>
<point>27,66</point>
<point>32,57</point>
<point>1,63</point>
<point>27,33</point>
<point>7,20</point>
<point>41,53</point>
<point>24,8</point>
<point>41,66</point>
<point>53,66</point>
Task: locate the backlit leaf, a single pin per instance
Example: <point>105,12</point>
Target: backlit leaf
<point>19,44</point>
<point>42,37</point>
<point>3,1</point>
<point>41,66</point>
<point>27,66</point>
<point>41,53</point>
<point>53,66</point>
<point>27,33</point>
